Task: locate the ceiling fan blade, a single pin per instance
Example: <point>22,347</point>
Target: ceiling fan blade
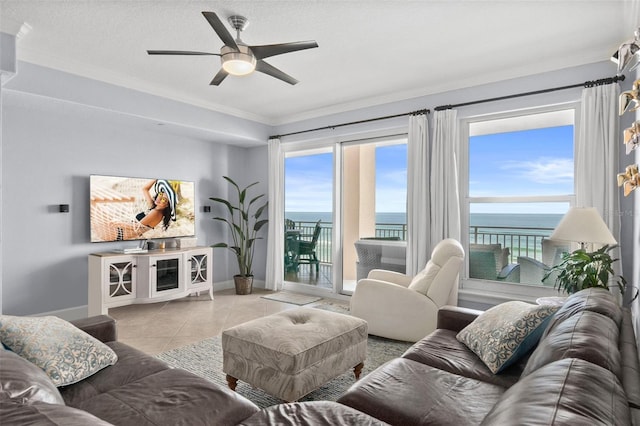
<point>268,50</point>
<point>178,52</point>
<point>265,68</point>
<point>220,29</point>
<point>222,74</point>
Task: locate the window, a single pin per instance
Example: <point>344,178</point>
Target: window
<point>356,189</point>
<point>520,178</point>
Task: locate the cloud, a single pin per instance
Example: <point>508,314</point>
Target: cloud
<point>543,170</point>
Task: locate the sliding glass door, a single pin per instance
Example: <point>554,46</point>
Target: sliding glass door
<point>338,199</point>
<point>308,212</point>
<point>374,194</point>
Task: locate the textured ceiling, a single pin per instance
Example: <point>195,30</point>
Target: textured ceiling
<point>370,52</point>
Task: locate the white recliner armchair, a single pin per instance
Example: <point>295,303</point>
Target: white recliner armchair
<point>401,307</point>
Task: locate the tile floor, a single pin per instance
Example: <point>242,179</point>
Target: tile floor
<point>324,279</point>
<point>158,327</point>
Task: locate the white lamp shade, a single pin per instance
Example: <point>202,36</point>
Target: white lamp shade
<point>583,225</point>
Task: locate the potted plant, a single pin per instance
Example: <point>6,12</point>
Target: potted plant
<point>244,223</point>
<point>581,269</point>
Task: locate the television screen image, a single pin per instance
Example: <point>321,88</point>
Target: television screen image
<point>125,208</point>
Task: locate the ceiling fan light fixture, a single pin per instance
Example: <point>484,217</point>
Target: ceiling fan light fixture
<point>238,62</point>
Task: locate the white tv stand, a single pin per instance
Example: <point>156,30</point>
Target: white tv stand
<point>118,279</point>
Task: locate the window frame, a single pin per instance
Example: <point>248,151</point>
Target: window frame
<point>334,144</point>
<point>476,292</point>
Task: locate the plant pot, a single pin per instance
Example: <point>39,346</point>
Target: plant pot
<point>244,284</point>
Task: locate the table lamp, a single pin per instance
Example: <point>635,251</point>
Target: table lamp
<point>583,225</point>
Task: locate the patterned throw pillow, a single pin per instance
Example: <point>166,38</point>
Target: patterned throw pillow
<point>66,353</point>
<point>503,334</point>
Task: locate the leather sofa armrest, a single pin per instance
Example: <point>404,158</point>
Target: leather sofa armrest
<point>102,327</point>
<point>456,318</point>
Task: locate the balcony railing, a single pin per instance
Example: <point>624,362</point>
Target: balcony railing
<point>521,241</point>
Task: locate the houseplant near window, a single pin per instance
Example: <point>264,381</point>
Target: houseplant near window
<point>581,269</point>
<point>244,223</point>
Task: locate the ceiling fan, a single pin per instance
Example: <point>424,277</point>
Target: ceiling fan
<point>238,58</point>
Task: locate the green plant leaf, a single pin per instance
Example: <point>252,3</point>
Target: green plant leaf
<point>222,201</point>
<point>259,224</point>
<point>243,226</point>
<point>255,199</point>
<point>260,210</point>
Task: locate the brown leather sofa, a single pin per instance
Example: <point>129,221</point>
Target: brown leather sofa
<point>140,390</point>
<point>584,371</point>
<point>137,390</point>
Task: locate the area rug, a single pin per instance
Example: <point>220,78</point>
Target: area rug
<point>296,299</point>
<point>204,359</point>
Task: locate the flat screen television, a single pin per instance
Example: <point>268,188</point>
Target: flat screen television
<point>126,208</point>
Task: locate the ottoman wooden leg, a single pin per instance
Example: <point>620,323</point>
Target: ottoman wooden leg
<point>357,369</point>
<point>232,381</point>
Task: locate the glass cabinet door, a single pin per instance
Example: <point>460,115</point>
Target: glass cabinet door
<point>121,279</point>
<point>198,268</point>
<point>167,274</point>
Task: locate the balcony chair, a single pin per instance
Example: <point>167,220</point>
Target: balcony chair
<point>532,271</point>
<point>307,249</point>
<point>491,262</point>
<point>291,248</point>
<point>380,253</point>
<point>402,307</point>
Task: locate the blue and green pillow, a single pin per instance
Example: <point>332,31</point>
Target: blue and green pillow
<point>66,353</point>
<point>505,333</point>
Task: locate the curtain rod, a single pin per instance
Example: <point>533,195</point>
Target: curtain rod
<point>593,83</point>
<point>420,111</point>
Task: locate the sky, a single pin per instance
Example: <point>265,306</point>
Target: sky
<point>309,181</point>
<point>525,163</point>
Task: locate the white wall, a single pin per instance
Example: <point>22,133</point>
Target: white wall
<point>244,166</point>
<point>55,135</point>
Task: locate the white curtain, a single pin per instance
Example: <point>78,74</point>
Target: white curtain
<point>275,243</point>
<point>597,157</point>
<point>444,199</point>
<point>418,218</point>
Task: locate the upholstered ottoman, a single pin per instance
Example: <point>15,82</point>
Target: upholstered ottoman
<point>292,353</point>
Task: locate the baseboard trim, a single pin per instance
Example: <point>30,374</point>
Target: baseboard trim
<point>224,285</point>
<point>78,312</point>
<point>68,314</point>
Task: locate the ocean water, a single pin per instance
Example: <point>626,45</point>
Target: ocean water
<point>516,221</point>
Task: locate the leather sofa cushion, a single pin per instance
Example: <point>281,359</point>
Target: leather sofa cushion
<point>132,365</point>
<point>41,413</point>
<point>311,413</point>
<point>24,382</point>
<point>566,392</point>
<point>442,350</point>
<point>596,300</point>
<point>405,392</point>
<point>170,397</point>
<point>585,335</point>
<point>102,327</point>
<point>140,390</point>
